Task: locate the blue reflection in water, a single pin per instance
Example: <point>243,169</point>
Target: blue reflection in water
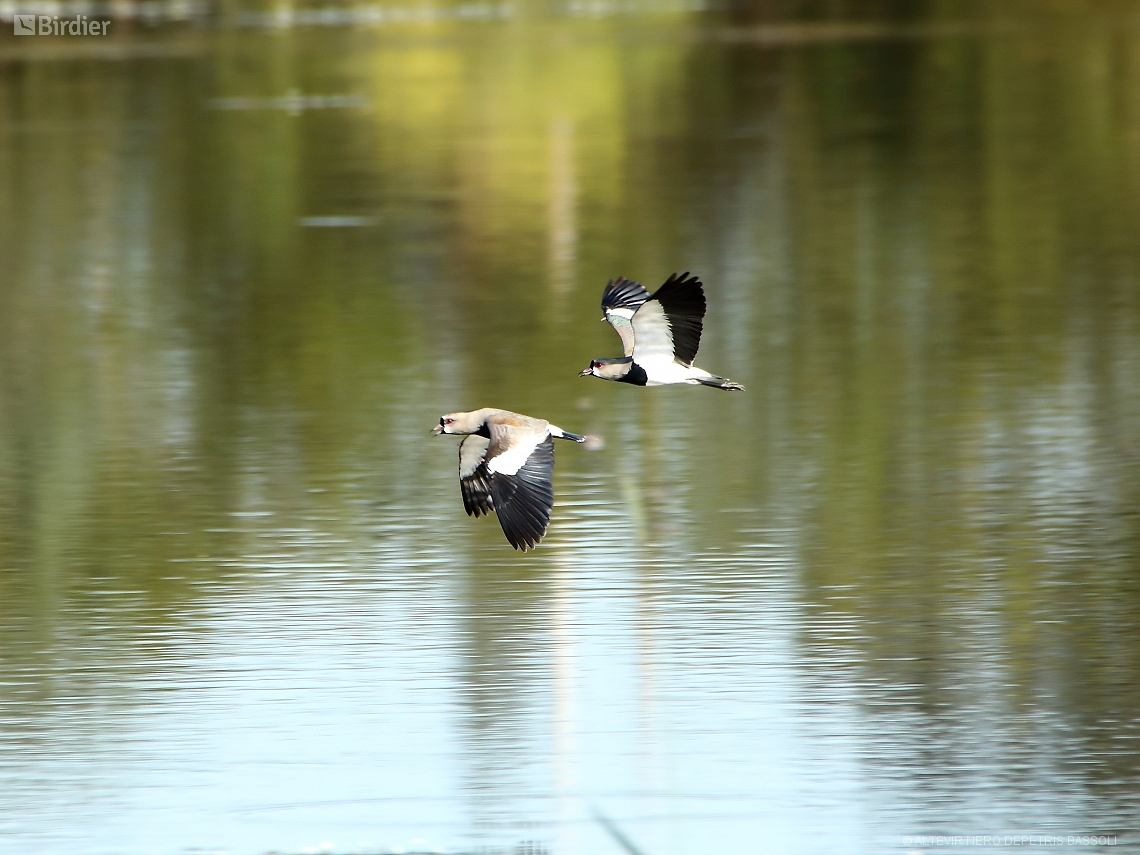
<point>888,595</point>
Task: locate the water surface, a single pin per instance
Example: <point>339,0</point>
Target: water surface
<point>889,593</point>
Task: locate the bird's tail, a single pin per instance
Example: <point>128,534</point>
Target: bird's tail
<point>720,383</point>
<point>565,434</point>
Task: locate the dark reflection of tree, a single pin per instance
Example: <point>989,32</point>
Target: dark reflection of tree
<point>920,256</point>
<point>960,326</point>
<point>97,366</point>
<point>505,686</point>
<point>154,368</point>
<point>932,242</point>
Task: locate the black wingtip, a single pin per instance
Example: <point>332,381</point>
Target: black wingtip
<point>721,383</point>
<point>521,539</point>
<point>622,293</point>
<point>683,299</point>
<point>523,501</point>
<point>684,280</point>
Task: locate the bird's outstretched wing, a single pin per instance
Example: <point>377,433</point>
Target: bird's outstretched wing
<point>474,479</point>
<point>668,325</point>
<point>522,488</point>
<point>620,300</point>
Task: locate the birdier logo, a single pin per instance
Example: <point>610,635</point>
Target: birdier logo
<point>51,25</point>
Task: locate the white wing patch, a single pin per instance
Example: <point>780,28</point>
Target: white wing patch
<point>622,313</point>
<point>653,340</point>
<point>660,371</point>
<point>471,452</point>
<point>510,461</point>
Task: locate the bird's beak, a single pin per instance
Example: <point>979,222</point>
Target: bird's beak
<point>602,318</point>
<point>586,372</point>
<point>437,430</point>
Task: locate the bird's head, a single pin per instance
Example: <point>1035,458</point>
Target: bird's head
<point>446,425</point>
<point>463,423</point>
<point>608,369</point>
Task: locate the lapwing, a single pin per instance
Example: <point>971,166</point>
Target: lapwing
<point>660,334</point>
<point>506,465</point>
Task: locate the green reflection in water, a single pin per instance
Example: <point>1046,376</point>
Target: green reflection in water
<point>921,260</point>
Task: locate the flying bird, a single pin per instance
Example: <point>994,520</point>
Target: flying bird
<point>506,465</point>
<point>660,333</point>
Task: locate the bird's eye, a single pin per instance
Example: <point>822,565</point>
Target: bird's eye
<point>448,421</point>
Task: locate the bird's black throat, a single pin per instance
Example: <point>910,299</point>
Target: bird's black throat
<point>636,375</point>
